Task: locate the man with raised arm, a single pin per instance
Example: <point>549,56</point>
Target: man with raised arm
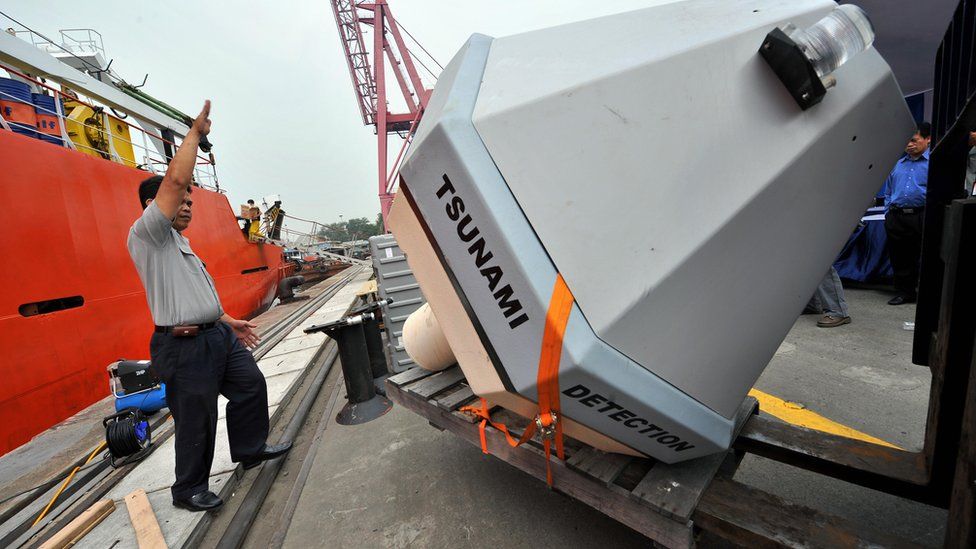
<point>197,349</point>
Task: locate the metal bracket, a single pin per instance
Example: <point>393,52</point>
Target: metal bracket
<point>794,70</point>
<point>547,432</point>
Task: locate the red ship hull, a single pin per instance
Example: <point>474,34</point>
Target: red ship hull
<point>66,219</point>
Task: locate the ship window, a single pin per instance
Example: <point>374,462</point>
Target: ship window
<point>51,305</point>
<point>255,270</point>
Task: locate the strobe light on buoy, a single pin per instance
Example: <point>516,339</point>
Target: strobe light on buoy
<point>805,59</point>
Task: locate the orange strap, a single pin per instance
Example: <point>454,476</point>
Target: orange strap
<point>547,381</point>
<point>482,412</point>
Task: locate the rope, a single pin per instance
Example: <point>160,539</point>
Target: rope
<point>65,484</point>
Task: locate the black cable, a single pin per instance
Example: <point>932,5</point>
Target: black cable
<point>421,63</point>
<point>415,41</point>
<point>127,435</point>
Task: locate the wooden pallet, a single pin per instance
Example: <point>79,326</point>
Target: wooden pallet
<point>651,497</point>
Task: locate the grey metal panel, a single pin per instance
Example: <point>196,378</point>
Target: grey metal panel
<point>661,420</point>
<point>689,247</point>
<point>395,280</point>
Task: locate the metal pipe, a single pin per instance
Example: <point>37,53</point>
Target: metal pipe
<point>240,525</point>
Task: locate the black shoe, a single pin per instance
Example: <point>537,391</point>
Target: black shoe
<point>266,453</point>
<point>901,300</point>
<point>202,501</point>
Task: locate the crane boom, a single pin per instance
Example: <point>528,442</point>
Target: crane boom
<point>368,69</point>
<point>357,58</point>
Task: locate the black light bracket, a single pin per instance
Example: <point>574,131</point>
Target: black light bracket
<point>370,307</point>
<point>359,366</point>
<point>794,70</point>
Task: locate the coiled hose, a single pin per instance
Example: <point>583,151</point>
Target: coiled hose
<point>126,433</point>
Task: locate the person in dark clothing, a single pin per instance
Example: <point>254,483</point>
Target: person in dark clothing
<point>275,217</point>
<point>904,203</point>
<point>971,165</point>
<point>197,349</point>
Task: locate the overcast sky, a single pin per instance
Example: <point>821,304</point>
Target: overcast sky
<point>284,116</point>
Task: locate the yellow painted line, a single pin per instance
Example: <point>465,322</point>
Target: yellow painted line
<point>796,414</point>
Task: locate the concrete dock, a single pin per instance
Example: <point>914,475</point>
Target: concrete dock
<point>398,482</point>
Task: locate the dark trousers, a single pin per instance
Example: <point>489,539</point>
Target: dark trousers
<point>904,248</point>
<point>195,369</point>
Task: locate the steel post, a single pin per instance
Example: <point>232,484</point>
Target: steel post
<point>355,362</point>
<point>374,345</point>
<point>363,403</point>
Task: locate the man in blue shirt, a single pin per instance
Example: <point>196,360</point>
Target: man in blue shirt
<point>904,207</point>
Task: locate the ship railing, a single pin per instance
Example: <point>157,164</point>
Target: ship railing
<point>82,39</point>
<point>73,41</point>
<point>312,244</point>
<point>305,231</point>
<point>144,144</point>
<point>300,239</point>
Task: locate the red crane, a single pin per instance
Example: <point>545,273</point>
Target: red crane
<point>369,78</point>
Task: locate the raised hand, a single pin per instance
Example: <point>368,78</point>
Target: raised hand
<point>202,122</point>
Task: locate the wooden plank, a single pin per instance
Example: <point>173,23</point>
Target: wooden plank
<point>455,399</point>
<point>748,517</point>
<point>437,383</point>
<point>730,510</point>
<point>409,376</point>
<point>464,416</point>
<point>77,528</point>
<point>602,466</point>
<point>951,346</point>
<point>882,468</point>
<point>92,492</point>
<point>148,533</point>
<point>961,526</point>
<point>676,489</point>
<point>611,501</point>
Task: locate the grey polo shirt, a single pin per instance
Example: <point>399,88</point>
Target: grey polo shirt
<point>178,288</point>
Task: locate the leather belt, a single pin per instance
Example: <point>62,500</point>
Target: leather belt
<point>184,329</point>
<point>917,209</point>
